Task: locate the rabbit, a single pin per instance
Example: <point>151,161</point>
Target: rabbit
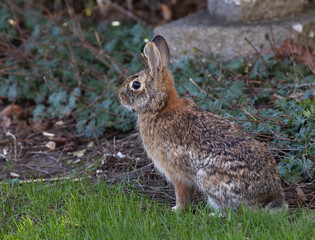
<point>196,149</point>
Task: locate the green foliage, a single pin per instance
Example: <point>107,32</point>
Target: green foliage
<point>74,66</point>
<point>68,70</point>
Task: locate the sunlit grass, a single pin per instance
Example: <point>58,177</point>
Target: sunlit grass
<point>87,210</point>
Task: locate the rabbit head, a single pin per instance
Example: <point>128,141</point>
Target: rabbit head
<point>151,89</point>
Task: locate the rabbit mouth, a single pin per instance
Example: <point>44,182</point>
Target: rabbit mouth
<point>128,107</point>
<point>124,101</point>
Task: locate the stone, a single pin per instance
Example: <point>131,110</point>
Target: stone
<point>206,33</point>
<point>253,10</point>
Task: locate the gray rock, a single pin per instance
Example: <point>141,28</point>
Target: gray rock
<point>252,10</point>
<point>204,32</point>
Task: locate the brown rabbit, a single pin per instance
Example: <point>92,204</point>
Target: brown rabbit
<point>196,149</point>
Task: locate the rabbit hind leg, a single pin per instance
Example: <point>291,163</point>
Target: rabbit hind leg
<point>277,206</point>
<point>221,193</point>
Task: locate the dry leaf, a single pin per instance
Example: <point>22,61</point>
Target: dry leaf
<point>277,96</point>
<point>79,153</point>
<point>49,135</point>
<point>60,123</point>
<point>13,174</point>
<point>296,95</point>
<point>90,145</point>
<point>77,161</point>
<point>51,145</point>
<point>299,53</point>
<point>120,155</point>
<point>12,110</point>
<point>8,113</point>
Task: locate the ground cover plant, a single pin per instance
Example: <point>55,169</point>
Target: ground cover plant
<point>65,67</point>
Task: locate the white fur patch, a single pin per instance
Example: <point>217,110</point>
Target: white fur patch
<point>213,204</point>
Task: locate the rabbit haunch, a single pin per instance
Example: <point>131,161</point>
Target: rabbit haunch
<point>196,149</point>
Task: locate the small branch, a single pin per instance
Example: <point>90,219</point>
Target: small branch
<point>257,52</point>
<point>196,85</point>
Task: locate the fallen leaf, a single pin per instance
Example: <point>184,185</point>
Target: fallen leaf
<point>77,161</point>
<point>51,145</point>
<point>90,145</point>
<point>277,96</point>
<point>120,155</point>
<point>60,123</point>
<point>296,95</point>
<point>12,110</point>
<point>13,174</point>
<point>49,135</point>
<point>297,52</point>
<point>79,153</point>
<point>8,113</point>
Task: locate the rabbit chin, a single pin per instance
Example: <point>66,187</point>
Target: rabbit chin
<point>130,108</point>
<point>126,106</point>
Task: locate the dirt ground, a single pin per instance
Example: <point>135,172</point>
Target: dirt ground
<point>27,152</point>
<point>54,150</point>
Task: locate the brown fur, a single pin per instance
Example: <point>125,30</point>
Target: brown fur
<point>198,149</point>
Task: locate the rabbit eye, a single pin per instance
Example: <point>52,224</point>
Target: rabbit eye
<point>136,85</point>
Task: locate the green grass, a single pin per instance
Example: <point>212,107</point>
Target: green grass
<point>87,210</point>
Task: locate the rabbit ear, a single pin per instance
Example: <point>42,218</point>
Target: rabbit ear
<point>162,45</point>
<point>144,59</point>
<point>152,53</point>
